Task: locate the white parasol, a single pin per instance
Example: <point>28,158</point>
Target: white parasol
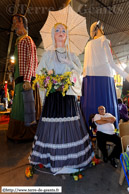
<point>76,25</point>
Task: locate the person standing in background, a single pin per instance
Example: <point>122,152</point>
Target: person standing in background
<point>123,110</point>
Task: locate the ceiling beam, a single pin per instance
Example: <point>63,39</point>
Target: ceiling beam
<point>120,45</point>
<point>105,6</point>
<point>124,31</point>
<point>124,56</point>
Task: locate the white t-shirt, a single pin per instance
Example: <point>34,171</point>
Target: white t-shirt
<point>98,60</point>
<point>107,128</point>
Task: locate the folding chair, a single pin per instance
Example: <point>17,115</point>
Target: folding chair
<point>124,129</point>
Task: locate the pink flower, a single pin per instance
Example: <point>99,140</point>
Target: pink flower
<point>46,81</point>
<point>74,79</point>
<point>38,85</point>
<point>54,81</point>
<point>47,78</point>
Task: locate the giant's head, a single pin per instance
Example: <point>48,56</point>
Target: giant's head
<point>95,27</point>
<point>20,24</point>
<point>59,35</point>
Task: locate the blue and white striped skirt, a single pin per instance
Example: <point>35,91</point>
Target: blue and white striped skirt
<point>61,142</point>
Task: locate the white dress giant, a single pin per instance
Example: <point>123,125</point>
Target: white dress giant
<point>98,82</point>
<point>62,141</point>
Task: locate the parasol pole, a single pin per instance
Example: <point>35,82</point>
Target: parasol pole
<point>113,52</point>
<point>27,7</point>
<point>68,2</point>
<point>10,39</point>
<point>71,3</point>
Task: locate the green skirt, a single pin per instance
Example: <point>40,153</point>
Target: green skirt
<point>18,104</point>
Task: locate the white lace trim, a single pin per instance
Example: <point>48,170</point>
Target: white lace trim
<point>61,146</point>
<point>65,119</point>
<point>61,157</point>
<point>55,170</point>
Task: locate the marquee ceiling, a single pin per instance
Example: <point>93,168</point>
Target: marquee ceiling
<point>113,13</point>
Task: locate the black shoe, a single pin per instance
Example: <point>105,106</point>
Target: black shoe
<point>113,162</point>
<point>105,159</point>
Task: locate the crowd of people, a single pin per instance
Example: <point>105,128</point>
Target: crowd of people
<point>60,130</point>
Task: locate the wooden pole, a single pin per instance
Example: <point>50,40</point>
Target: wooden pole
<point>10,41</point>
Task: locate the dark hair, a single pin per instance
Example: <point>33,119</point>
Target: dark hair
<point>99,26</point>
<point>24,19</point>
<point>119,101</point>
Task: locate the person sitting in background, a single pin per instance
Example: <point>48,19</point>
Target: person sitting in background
<point>123,110</point>
<point>106,132</point>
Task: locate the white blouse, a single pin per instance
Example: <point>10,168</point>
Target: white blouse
<point>98,60</point>
<point>60,63</point>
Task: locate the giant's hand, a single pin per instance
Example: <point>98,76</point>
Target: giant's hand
<point>64,60</point>
<point>26,86</point>
<point>67,62</point>
<point>50,72</point>
<point>72,65</point>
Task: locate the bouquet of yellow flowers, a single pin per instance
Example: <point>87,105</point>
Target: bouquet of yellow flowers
<point>53,82</point>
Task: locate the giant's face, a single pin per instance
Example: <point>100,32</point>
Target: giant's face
<point>17,25</point>
<point>60,33</point>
